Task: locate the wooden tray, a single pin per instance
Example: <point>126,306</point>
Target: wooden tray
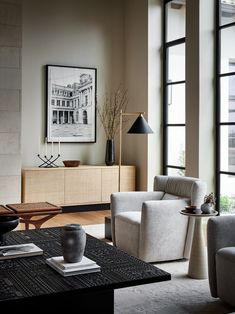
<point>5,211</point>
<point>33,207</point>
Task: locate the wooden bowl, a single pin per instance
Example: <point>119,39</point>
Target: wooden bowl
<point>71,163</point>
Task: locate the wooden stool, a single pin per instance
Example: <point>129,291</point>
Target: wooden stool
<point>25,211</point>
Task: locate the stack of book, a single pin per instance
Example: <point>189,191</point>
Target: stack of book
<point>68,269</point>
<point>19,250</point>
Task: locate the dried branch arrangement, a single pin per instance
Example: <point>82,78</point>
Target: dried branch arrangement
<point>109,111</point>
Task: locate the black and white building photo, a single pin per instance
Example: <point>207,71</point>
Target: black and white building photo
<point>71,104</point>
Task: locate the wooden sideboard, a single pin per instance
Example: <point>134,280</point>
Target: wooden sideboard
<point>75,186</point>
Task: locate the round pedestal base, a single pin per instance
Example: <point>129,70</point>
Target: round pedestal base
<point>198,259</point>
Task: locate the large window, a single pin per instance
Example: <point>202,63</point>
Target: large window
<point>225,98</point>
<point>174,87</point>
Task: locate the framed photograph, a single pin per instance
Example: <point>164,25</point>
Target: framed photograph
<point>71,104</point>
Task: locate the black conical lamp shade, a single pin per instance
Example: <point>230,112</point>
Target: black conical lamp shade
<point>140,126</point>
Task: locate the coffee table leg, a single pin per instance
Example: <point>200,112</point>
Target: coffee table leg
<point>90,302</point>
<point>198,261</point>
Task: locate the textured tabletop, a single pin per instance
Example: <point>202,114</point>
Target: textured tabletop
<point>31,277</point>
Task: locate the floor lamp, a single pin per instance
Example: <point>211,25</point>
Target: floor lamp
<point>140,126</point>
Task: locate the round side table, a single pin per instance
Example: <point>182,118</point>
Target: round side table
<point>198,258</point>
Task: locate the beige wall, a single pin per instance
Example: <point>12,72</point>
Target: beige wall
<point>112,36</point>
<point>122,38</point>
<point>143,80</point>
<point>80,33</point>
<point>154,90</point>
<point>136,75</point>
<point>109,35</point>
<point>200,128</point>
<point>10,108</point>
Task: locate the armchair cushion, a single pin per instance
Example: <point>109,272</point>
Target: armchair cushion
<point>168,196</point>
<point>186,187</point>
<point>127,231</point>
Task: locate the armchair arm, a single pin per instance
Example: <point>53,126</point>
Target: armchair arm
<point>220,233</point>
<point>162,229</point>
<point>129,201</point>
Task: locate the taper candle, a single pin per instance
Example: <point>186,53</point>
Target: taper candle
<point>46,146</point>
<point>39,146</point>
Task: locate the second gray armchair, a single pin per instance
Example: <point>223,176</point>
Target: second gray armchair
<point>221,257</point>
<point>148,225</point>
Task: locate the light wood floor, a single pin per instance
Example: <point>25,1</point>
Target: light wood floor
<point>83,218</point>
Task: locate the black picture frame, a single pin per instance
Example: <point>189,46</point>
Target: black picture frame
<point>71,103</point>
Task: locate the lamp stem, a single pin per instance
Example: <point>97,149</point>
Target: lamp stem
<point>144,129</point>
<point>133,113</point>
<point>120,153</point>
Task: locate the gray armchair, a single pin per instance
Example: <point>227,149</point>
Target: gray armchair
<point>148,225</point>
<point>221,257</point>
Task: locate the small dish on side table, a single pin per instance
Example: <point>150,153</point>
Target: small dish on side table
<point>190,209</point>
<point>213,213</point>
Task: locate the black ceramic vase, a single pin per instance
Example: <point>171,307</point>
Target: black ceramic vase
<point>73,242</point>
<point>110,153</point>
<point>7,223</point>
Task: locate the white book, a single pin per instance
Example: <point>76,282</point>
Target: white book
<point>73,271</point>
<point>19,250</point>
<point>85,262</point>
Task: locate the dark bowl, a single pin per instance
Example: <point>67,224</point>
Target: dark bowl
<point>7,223</point>
<point>71,163</point>
<point>190,209</point>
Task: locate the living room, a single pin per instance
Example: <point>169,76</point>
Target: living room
<point>167,56</point>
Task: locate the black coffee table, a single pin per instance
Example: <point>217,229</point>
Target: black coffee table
<point>28,283</point>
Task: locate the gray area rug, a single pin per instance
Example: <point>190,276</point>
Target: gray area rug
<point>96,231</point>
<point>180,295</point>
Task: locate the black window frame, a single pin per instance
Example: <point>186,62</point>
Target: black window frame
<point>218,122</point>
<point>166,125</point>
